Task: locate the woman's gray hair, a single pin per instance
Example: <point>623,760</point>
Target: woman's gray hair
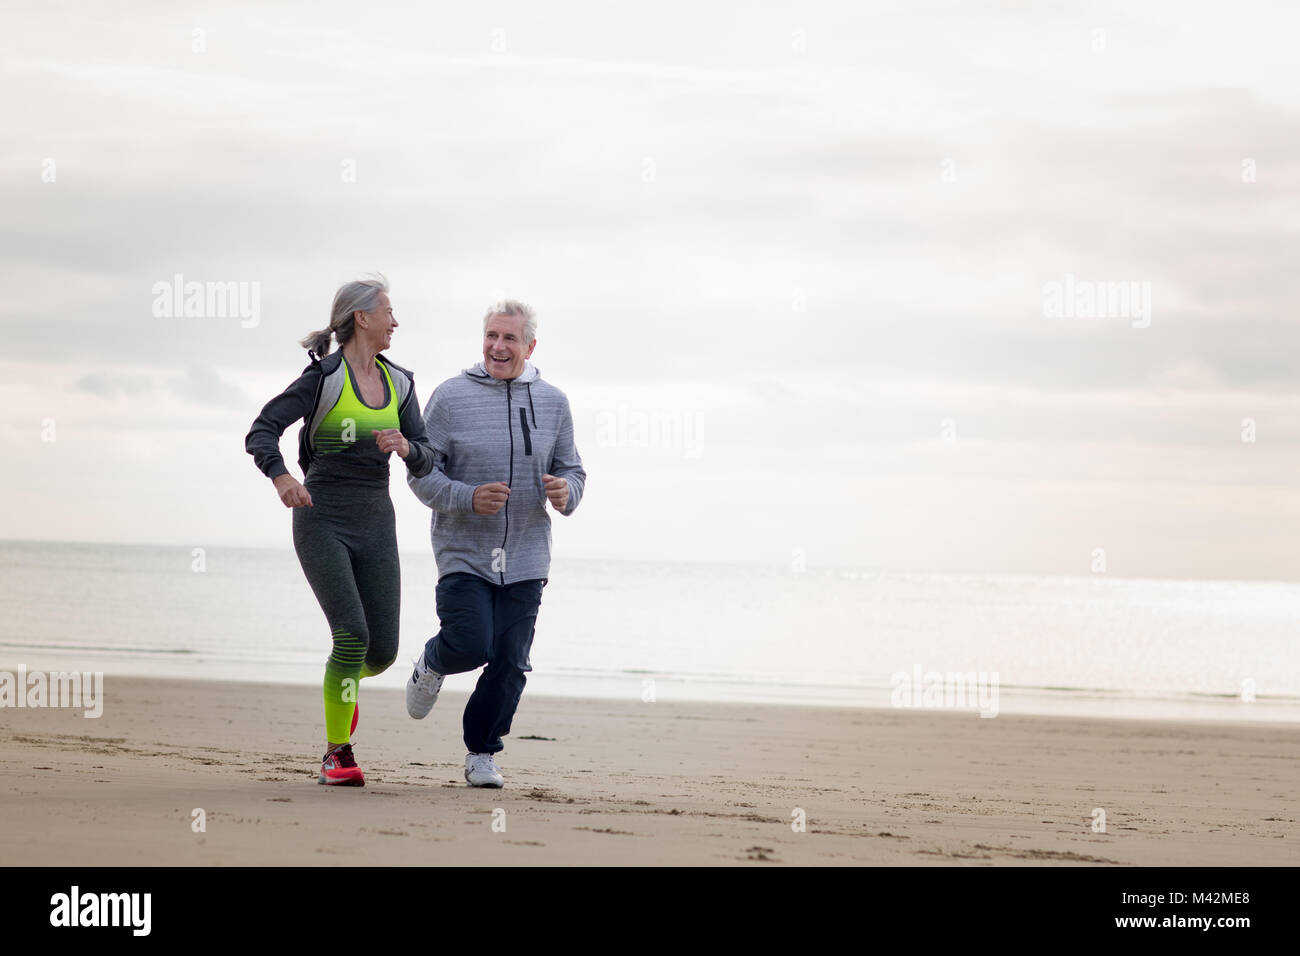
<point>351,298</point>
<point>514,307</point>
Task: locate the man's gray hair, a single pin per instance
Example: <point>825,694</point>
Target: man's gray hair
<point>514,307</point>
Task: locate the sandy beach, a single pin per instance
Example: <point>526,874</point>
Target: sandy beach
<point>626,782</point>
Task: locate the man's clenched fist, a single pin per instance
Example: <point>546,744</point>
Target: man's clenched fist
<point>489,498</point>
<point>557,491</point>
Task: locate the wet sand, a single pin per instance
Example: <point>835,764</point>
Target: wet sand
<point>625,782</point>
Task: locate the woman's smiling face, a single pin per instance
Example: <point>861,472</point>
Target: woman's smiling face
<point>380,323</point>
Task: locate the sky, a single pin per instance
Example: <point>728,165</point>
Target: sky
<point>791,264</point>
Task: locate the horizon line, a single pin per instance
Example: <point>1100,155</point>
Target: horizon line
<point>815,568</point>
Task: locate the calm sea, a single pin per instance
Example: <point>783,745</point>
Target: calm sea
<point>1224,650</point>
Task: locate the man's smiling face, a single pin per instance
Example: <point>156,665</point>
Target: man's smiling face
<point>504,349</point>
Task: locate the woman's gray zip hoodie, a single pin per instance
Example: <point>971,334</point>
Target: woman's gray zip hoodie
<point>484,430</point>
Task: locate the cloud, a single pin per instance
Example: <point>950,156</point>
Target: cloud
<point>202,385</point>
<point>105,385</point>
<point>745,219</point>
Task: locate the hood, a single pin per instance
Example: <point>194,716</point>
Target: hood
<point>481,375</point>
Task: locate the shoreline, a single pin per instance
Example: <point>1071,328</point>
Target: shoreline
<point>847,570</point>
<point>594,781</point>
<point>1022,701</point>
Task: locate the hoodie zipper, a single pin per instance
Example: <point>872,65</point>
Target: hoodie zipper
<point>510,481</point>
<point>528,439</point>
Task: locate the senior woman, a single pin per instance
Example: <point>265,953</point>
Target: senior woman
<point>357,408</point>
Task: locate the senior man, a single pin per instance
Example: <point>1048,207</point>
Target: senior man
<point>503,448</point>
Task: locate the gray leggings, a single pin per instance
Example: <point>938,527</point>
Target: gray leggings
<point>347,545</point>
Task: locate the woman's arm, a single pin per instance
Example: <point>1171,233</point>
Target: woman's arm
<point>439,492</point>
<point>420,456</point>
<point>292,492</point>
<point>291,405</point>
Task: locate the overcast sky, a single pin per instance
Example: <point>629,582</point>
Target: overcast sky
<point>814,239</point>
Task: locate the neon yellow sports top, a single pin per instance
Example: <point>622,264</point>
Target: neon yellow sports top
<point>347,427</point>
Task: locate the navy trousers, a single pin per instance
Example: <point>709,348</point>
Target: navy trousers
<point>492,624</point>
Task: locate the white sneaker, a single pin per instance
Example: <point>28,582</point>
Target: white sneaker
<point>422,689</point>
<point>480,771</point>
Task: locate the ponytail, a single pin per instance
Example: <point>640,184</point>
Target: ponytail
<point>317,344</point>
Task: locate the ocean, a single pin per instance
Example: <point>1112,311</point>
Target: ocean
<point>1086,646</point>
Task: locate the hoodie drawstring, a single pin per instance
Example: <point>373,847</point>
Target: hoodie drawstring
<point>528,385</point>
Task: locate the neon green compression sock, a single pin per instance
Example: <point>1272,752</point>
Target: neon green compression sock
<point>342,676</point>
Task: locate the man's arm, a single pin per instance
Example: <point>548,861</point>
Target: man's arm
<point>441,493</point>
<point>566,463</point>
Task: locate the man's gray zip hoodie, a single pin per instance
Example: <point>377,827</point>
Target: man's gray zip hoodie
<point>484,430</point>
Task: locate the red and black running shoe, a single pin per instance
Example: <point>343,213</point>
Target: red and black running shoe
<point>356,715</point>
<point>340,769</point>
